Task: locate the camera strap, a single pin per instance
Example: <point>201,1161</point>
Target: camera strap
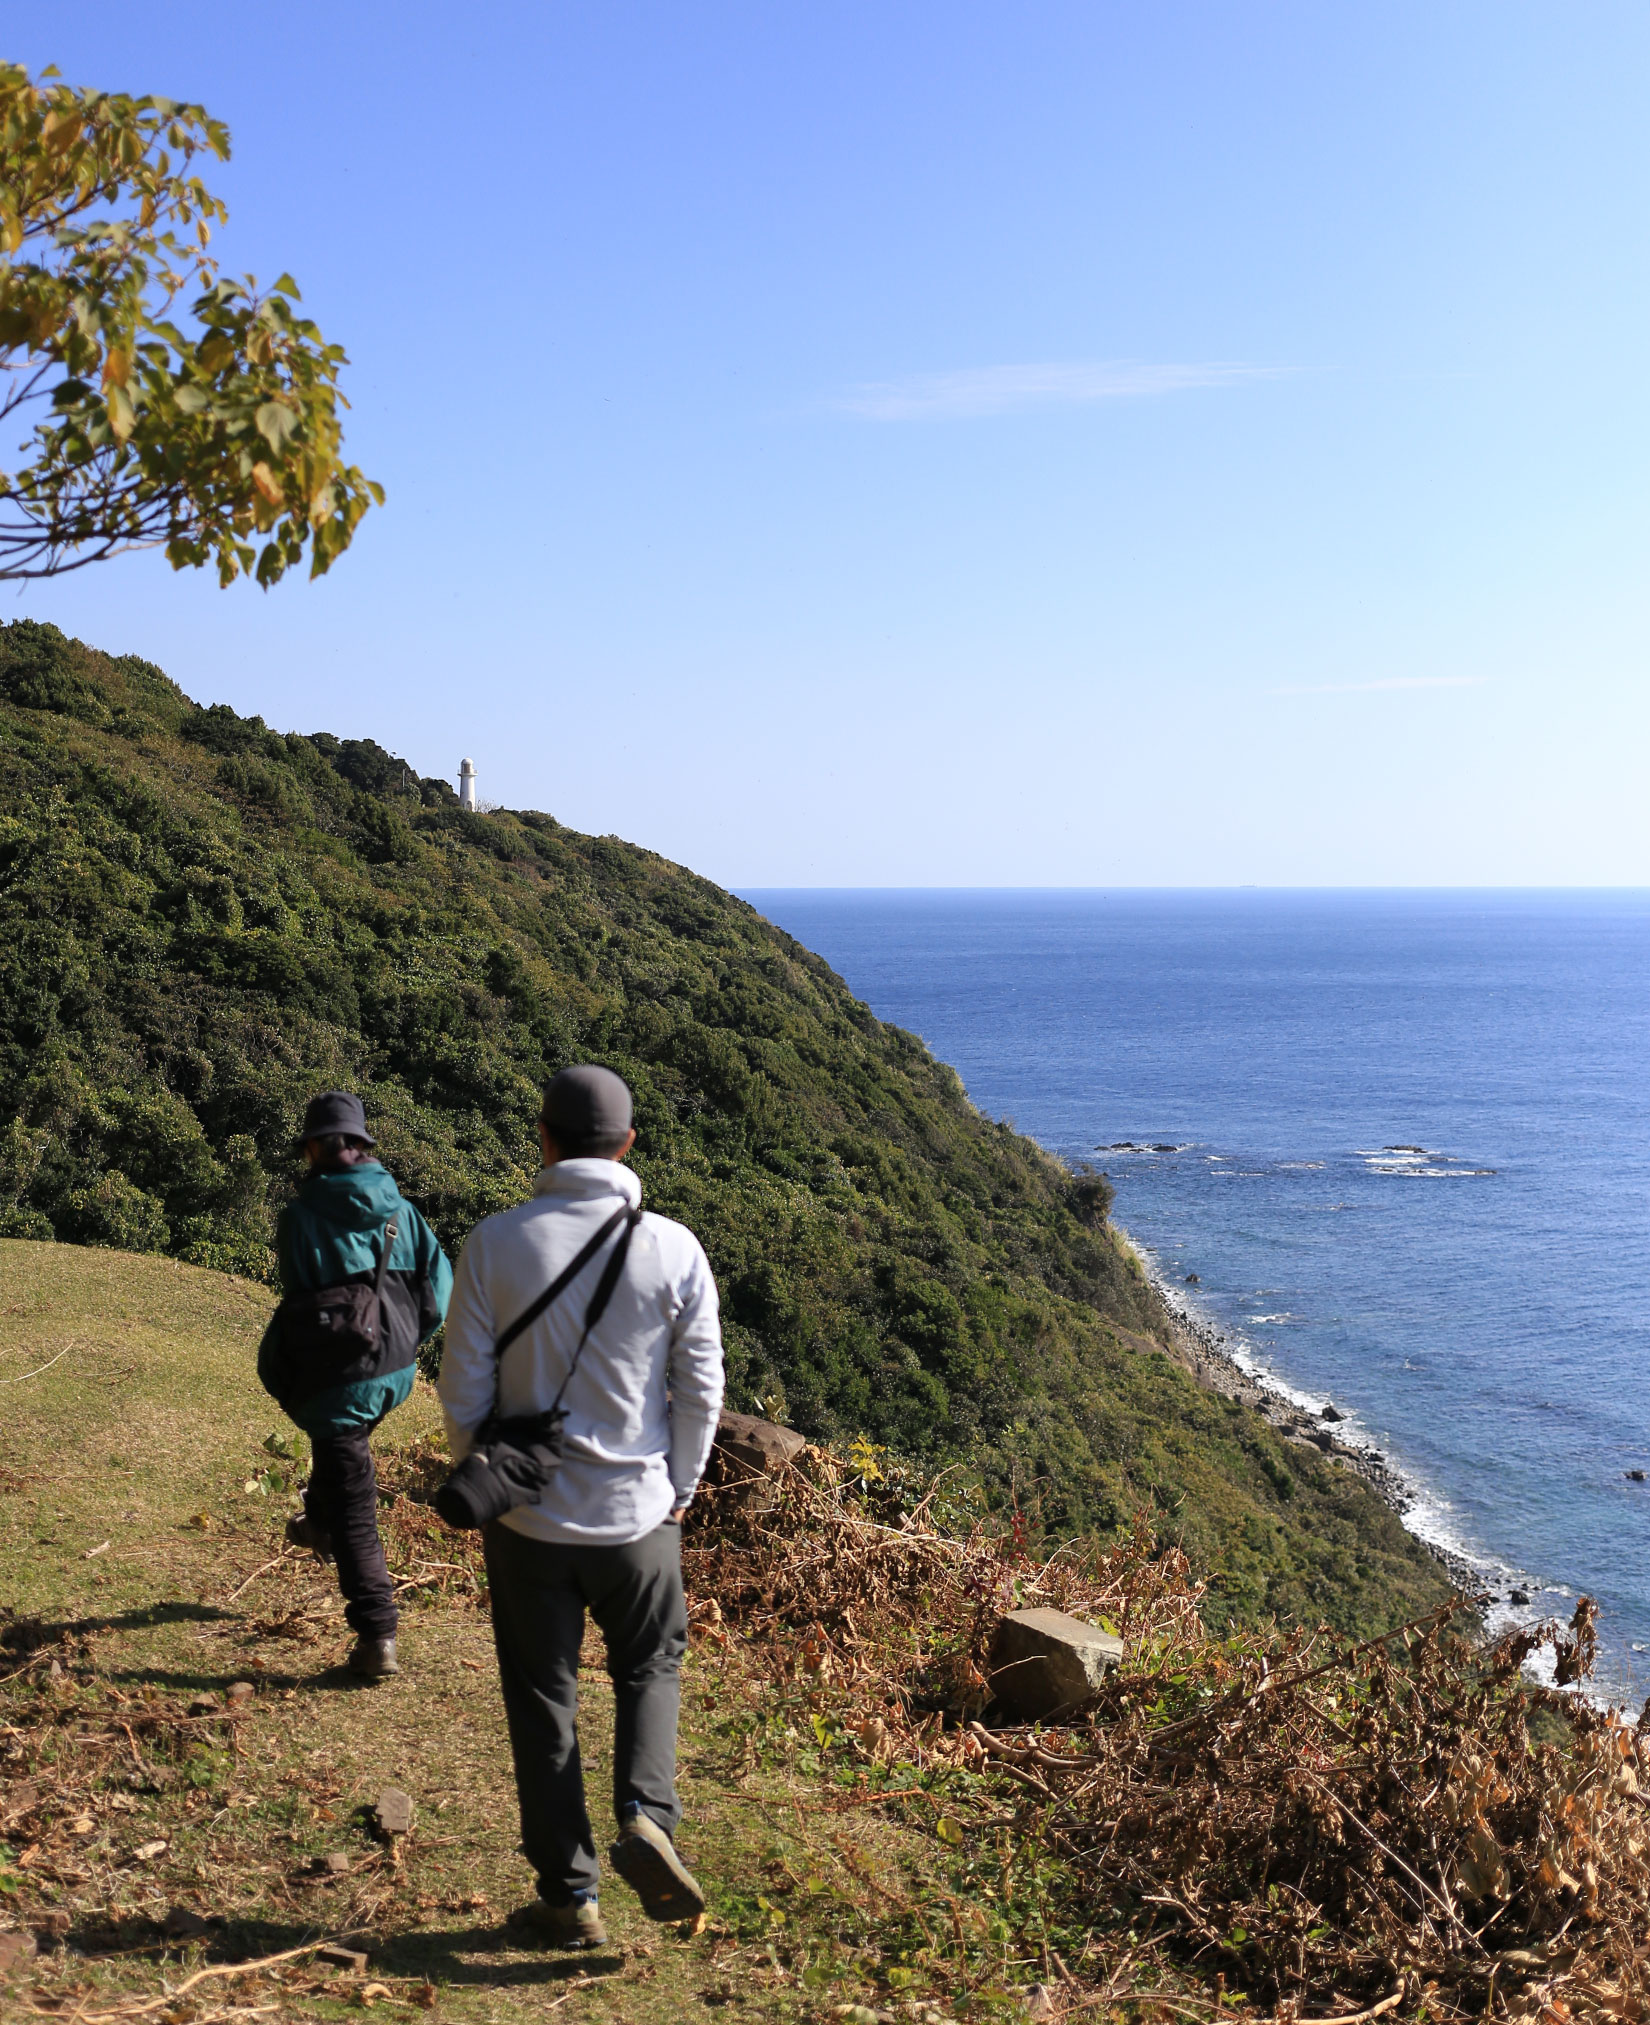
<point>627,1216</point>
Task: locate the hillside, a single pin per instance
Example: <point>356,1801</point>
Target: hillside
<point>203,919</point>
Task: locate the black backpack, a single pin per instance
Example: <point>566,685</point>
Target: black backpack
<point>363,1327</point>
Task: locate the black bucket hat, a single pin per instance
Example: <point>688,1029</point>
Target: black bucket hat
<point>335,1112</point>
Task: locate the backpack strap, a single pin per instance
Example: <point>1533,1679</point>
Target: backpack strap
<point>390,1230</point>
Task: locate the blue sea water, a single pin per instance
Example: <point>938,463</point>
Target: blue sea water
<point>1403,1139</point>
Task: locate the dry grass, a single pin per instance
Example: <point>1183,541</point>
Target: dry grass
<point>1284,1826</point>
<point>1309,1826</point>
<point>146,1435</point>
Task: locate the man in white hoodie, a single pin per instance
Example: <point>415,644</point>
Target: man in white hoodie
<point>605,1535</point>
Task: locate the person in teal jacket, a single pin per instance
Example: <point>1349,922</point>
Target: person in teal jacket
<point>331,1236</point>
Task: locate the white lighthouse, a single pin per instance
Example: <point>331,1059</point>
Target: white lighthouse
<point>467,785</point>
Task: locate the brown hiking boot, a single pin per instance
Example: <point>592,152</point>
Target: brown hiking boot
<point>562,1926</point>
<point>647,1861</point>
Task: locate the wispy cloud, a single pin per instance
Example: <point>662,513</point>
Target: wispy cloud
<point>1386,682</point>
<point>994,390</point>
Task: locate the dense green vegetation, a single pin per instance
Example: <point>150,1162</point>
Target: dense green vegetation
<point>202,920</point>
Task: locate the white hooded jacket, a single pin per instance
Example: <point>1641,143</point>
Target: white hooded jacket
<point>643,1404</point>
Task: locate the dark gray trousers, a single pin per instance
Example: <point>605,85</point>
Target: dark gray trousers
<point>540,1592</point>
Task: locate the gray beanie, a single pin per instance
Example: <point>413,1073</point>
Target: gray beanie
<point>587,1110</point>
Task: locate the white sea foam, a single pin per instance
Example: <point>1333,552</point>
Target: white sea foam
<point>1417,1163</point>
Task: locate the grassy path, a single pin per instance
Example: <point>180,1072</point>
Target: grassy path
<point>139,1510</point>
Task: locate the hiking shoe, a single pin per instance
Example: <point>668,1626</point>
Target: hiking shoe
<point>644,1857</point>
<point>302,1531</point>
<point>563,1926</point>
<point>373,1658</point>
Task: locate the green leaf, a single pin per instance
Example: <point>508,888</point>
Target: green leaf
<point>276,422</point>
<point>948,1831</point>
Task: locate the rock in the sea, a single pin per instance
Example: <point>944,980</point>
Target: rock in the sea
<point>1332,1413</point>
<point>1192,1280</point>
<point>1045,1663</point>
<point>1519,1596</point>
<point>1634,1476</point>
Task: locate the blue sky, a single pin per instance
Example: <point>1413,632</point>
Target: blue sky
<point>957,444</point>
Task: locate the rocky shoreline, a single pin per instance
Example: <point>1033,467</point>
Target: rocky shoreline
<point>1208,1355</point>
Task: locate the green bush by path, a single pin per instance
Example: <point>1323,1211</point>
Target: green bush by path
<point>202,920</point>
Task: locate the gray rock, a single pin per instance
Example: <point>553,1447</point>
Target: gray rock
<point>336,1957</point>
<point>755,1448</point>
<point>1635,1476</point>
<point>1519,1596</point>
<point>20,1799</point>
<point>1332,1413</point>
<point>1044,1662</point>
<point>15,1949</point>
<point>394,1811</point>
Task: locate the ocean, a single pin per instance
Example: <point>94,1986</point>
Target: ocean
<point>1402,1139</point>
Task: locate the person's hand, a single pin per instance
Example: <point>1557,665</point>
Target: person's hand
<point>678,1515</point>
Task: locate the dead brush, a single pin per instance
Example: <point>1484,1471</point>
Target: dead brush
<point>427,1559</point>
<point>1330,1829</point>
<point>800,1549</point>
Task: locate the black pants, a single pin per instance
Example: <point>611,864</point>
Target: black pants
<point>342,1498</point>
<point>540,1591</point>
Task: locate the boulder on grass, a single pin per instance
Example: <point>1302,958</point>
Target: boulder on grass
<point>1044,1663</point>
<point>394,1812</point>
<point>747,1447</point>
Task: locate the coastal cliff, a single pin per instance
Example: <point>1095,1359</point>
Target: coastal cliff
<point>204,919</point>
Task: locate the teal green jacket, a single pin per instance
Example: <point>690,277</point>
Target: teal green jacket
<point>330,1232</point>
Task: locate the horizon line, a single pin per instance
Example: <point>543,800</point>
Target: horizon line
<point>740,888</point>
